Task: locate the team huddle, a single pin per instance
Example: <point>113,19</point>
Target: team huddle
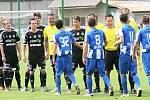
<point>95,49</point>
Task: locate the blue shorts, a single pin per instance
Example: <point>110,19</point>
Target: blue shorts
<point>92,64</point>
<point>64,63</point>
<point>127,64</point>
<point>146,62</point>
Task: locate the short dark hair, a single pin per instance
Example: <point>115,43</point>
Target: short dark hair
<point>124,18</point>
<point>59,24</point>
<point>92,22</point>
<point>77,18</point>
<point>37,14</point>
<point>51,14</point>
<point>109,16</point>
<point>31,19</point>
<point>92,14</point>
<point>125,10</point>
<point>145,19</point>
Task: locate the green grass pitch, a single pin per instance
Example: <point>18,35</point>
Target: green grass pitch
<point>14,94</point>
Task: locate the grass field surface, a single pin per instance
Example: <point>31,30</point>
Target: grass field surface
<point>14,94</point>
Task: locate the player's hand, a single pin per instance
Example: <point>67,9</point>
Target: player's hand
<point>24,59</point>
<point>19,57</point>
<point>54,61</point>
<point>138,52</point>
<point>84,60</point>
<point>3,58</point>
<point>46,56</point>
<point>134,56</point>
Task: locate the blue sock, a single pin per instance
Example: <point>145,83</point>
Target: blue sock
<point>89,83</point>
<point>137,81</point>
<point>124,83</point>
<point>149,80</point>
<point>106,80</point>
<point>72,78</point>
<point>58,84</point>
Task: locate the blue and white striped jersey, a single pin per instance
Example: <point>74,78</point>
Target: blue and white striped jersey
<point>96,40</point>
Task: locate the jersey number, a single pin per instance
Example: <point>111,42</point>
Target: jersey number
<point>64,41</point>
<point>131,36</point>
<point>97,38</point>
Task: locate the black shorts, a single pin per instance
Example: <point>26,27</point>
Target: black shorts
<point>1,62</point>
<point>33,62</point>
<point>51,60</point>
<point>77,63</point>
<point>111,58</point>
<point>12,63</point>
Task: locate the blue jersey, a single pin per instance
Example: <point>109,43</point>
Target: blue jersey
<point>144,38</point>
<point>64,40</point>
<point>128,34</point>
<point>96,40</point>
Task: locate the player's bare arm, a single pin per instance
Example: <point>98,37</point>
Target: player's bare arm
<point>85,49</point>
<point>24,53</point>
<point>18,46</point>
<point>46,48</point>
<point>54,52</point>
<point>119,41</point>
<point>2,52</point>
<point>136,45</point>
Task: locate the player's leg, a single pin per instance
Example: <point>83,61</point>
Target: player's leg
<point>59,70</point>
<point>2,87</point>
<point>90,66</point>
<point>146,65</point>
<point>68,66</point>
<point>42,65</point>
<point>131,81</point>
<point>11,73</point>
<point>81,65</point>
<point>116,62</point>
<point>54,70</point>
<point>133,71</point>
<point>7,76</point>
<point>101,69</point>
<point>18,78</point>
<point>96,79</point>
<point>26,80</point>
<point>109,61</point>
<point>124,63</point>
<point>32,67</point>
<point>68,81</point>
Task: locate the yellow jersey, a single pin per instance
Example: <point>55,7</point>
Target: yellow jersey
<point>49,33</point>
<point>131,23</point>
<point>110,38</point>
<point>98,26</point>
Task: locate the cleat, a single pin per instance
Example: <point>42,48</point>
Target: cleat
<point>124,95</point>
<point>106,90</point>
<point>133,91</point>
<point>96,90</point>
<point>58,93</point>
<point>68,91</point>
<point>111,91</point>
<point>139,93</point>
<point>77,89</point>
<point>32,89</point>
<point>88,95</point>
<point>24,89</point>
